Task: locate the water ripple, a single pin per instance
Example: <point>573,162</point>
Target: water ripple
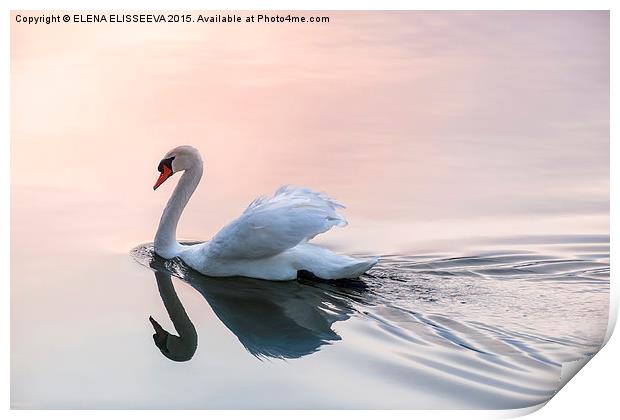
<point>500,321</point>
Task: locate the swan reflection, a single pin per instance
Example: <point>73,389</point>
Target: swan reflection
<point>179,348</point>
<point>284,320</point>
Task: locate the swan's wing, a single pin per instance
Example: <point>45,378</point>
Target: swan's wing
<point>271,225</point>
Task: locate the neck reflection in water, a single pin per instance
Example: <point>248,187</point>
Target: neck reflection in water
<point>179,348</point>
<point>284,320</point>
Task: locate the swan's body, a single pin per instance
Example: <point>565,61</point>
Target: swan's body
<point>268,241</point>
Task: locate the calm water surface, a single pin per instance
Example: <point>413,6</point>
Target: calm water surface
<point>487,201</point>
<point>487,329</point>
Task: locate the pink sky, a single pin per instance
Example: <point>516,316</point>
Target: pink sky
<point>448,123</point>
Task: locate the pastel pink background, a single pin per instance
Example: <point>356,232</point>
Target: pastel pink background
<point>427,125</point>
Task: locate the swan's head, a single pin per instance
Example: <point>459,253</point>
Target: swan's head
<point>179,159</point>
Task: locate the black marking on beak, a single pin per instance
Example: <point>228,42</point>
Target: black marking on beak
<point>165,162</point>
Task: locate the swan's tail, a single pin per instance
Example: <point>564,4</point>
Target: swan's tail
<point>328,265</point>
<point>358,268</point>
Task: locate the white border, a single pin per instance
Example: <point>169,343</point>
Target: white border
<point>593,394</point>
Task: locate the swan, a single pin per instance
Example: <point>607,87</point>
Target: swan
<point>269,241</point>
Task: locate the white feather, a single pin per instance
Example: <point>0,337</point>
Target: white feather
<point>271,225</point>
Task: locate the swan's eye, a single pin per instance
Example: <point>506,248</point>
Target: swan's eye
<point>165,162</point>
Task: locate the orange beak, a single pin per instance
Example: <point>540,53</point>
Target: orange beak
<point>165,174</point>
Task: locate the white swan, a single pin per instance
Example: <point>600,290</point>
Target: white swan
<point>268,241</point>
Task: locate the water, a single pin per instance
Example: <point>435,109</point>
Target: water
<point>489,330</point>
<point>487,201</point>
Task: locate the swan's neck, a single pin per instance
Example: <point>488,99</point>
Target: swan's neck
<point>166,243</point>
